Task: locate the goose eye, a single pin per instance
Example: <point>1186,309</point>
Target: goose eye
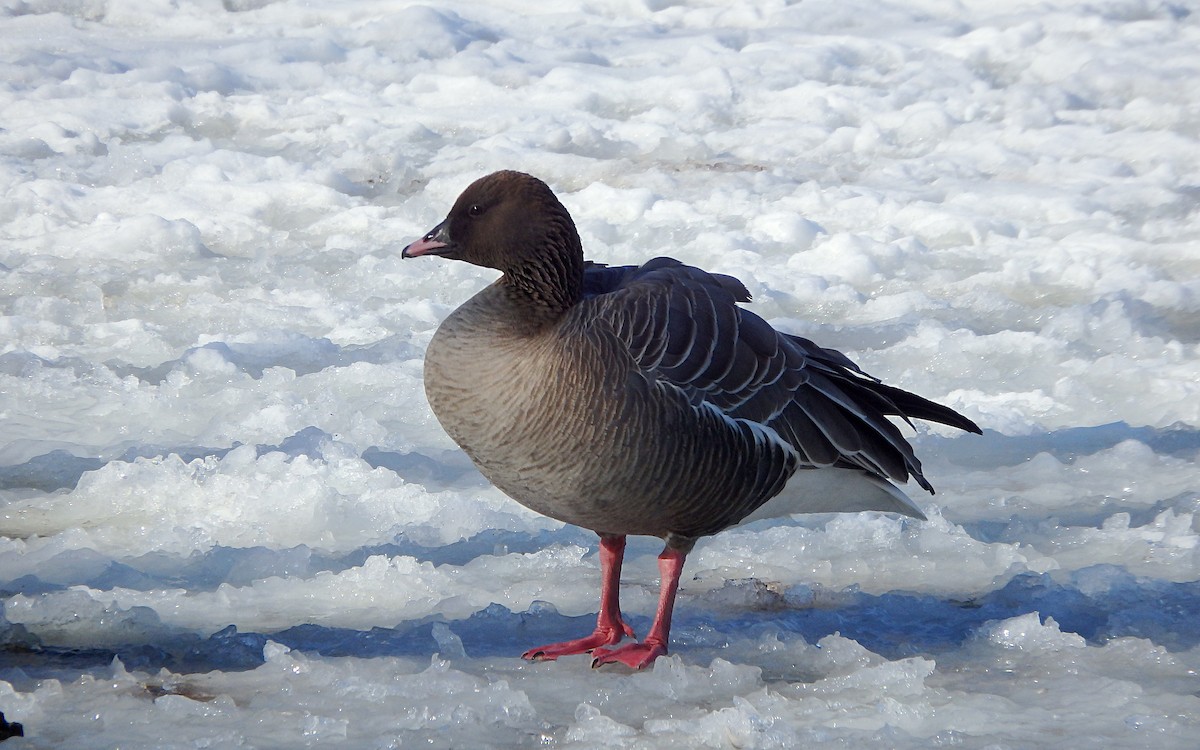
<point>475,210</point>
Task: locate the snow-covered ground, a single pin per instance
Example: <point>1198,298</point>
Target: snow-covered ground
<point>228,518</point>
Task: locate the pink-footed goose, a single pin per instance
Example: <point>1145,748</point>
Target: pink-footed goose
<point>644,400</point>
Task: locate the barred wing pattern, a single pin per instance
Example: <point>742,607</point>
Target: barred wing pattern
<point>683,326</point>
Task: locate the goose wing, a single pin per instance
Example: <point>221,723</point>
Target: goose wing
<point>683,327</point>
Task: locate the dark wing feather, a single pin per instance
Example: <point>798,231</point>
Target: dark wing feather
<point>683,326</point>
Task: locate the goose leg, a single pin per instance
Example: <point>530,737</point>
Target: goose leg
<point>642,655</point>
<point>610,628</point>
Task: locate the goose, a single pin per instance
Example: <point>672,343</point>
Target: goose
<point>644,400</point>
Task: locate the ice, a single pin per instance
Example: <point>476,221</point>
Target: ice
<point>228,517</point>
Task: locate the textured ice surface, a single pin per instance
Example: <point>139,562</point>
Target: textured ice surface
<point>228,518</point>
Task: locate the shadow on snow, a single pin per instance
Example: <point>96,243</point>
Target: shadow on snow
<point>1098,603</point>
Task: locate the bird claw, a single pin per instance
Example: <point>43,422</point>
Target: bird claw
<point>632,655</point>
<point>602,636</point>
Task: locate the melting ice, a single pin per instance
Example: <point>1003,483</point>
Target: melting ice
<point>227,517</point>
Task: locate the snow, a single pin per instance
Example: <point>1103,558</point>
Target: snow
<point>228,517</point>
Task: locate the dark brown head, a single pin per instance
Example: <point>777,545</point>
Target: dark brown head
<point>512,222</point>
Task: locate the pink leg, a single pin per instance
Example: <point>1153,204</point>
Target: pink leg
<point>610,628</point>
<point>642,655</point>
